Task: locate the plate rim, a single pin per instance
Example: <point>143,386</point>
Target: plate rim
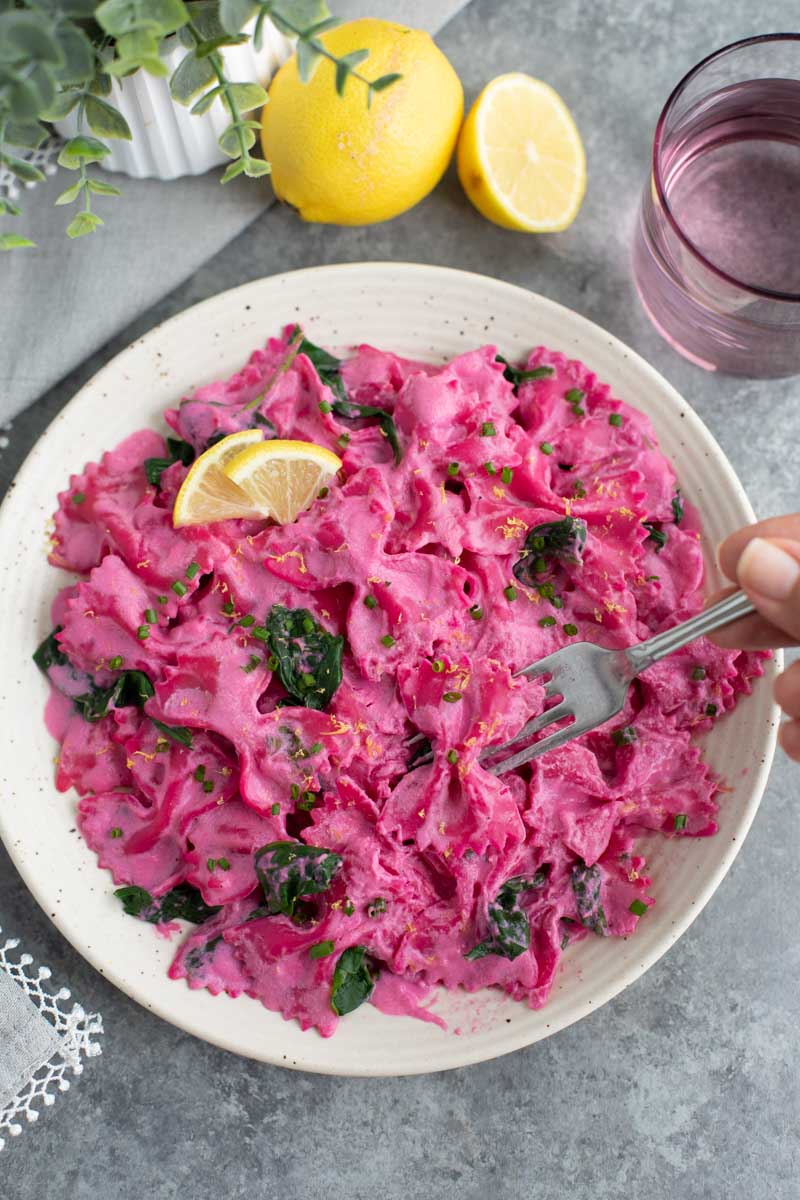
<point>758,777</point>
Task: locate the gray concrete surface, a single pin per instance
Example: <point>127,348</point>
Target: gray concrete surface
<point>685,1086</point>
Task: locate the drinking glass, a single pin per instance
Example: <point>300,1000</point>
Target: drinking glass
<point>717,247</point>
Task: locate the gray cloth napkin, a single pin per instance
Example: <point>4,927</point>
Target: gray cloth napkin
<point>64,299</point>
<point>27,1039</point>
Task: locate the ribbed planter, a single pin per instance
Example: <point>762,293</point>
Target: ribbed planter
<point>167,140</point>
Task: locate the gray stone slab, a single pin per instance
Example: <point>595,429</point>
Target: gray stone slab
<point>686,1086</point>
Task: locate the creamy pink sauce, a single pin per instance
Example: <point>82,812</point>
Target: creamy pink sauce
<point>437,843</point>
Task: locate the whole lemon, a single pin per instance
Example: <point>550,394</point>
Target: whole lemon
<point>337,159</point>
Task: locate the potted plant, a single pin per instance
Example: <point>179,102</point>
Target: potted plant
<point>112,71</point>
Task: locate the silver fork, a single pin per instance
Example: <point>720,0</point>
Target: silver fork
<point>593,682</point>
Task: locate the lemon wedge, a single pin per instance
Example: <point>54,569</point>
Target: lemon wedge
<point>206,493</point>
<point>520,156</point>
<point>281,479</point>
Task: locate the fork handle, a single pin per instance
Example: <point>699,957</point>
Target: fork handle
<point>730,609</point>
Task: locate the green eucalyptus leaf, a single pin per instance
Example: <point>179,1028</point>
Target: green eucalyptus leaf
<point>62,105</point>
<point>205,49</point>
<point>14,241</point>
<point>28,37</point>
<point>29,134</point>
<point>235,13</point>
<point>232,170</point>
<point>32,95</point>
<point>230,143</point>
<point>191,75</point>
<point>100,188</point>
<point>293,16</point>
<point>83,223</point>
<point>322,26</point>
<point>204,15</point>
<point>8,208</point>
<point>256,168</point>
<point>346,65</point>
<point>23,169</point>
<point>81,10</point>
<point>100,85</point>
<point>245,96</point>
<point>82,149</point>
<point>70,194</point>
<point>204,103</point>
<point>106,120</point>
<point>78,65</point>
<point>308,59</point>
<point>385,81</point>
<point>119,17</point>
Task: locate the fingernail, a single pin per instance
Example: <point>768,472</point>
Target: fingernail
<point>766,569</point>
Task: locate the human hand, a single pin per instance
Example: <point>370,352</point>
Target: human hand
<point>764,559</point>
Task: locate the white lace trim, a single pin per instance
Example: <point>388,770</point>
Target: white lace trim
<point>44,158</point>
<point>76,1028</point>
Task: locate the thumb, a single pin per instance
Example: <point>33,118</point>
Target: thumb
<point>769,571</point>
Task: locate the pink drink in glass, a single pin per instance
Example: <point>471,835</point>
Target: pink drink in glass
<point>717,248</point>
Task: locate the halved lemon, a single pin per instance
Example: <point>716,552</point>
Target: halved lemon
<point>520,156</point>
<point>206,493</point>
<point>280,478</point>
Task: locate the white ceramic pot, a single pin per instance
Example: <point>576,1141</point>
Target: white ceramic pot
<point>167,140</point>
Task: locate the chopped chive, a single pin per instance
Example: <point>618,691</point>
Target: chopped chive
<point>387,640</point>
<point>546,448</point>
<point>506,475</point>
<point>638,908</point>
<point>624,737</point>
<point>79,498</point>
<point>698,673</point>
<point>615,419</point>
<point>150,615</point>
<point>437,666</point>
<point>223,864</point>
<point>308,625</point>
<point>546,622</point>
<point>276,808</point>
<point>178,588</point>
<point>315,749</point>
<point>370,601</point>
<point>325,406</point>
<point>321,950</point>
<point>161,599</point>
<point>208,786</point>
<point>192,570</point>
<point>307,679</point>
<point>143,633</point>
<point>510,592</point>
<point>272,663</point>
<point>557,602</point>
<point>574,396</point>
<point>578,490</point>
<point>452,468</point>
<point>115,663</point>
<point>545,590</point>
<point>540,373</point>
<point>488,429</point>
<point>348,908</point>
<point>251,664</point>
<point>679,822</point>
<point>565,941</point>
<point>711,710</point>
<point>261,632</point>
<point>308,801</point>
<point>652,578</point>
<point>570,630</point>
<point>344,441</point>
<point>490,468</point>
<point>476,612</point>
<point>322,493</point>
<point>210,864</point>
<point>377,907</point>
<point>229,608</point>
<point>294,791</point>
<point>452,757</point>
<point>116,832</point>
<point>247,620</point>
<point>200,773</point>
<point>539,543</point>
<point>540,565</point>
<point>451,697</point>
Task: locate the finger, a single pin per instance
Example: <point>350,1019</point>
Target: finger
<point>770,574</point>
<point>731,548</point>
<point>787,690</point>
<point>789,738</point>
<point>750,633</point>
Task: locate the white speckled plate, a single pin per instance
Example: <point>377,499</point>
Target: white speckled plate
<point>423,312</point>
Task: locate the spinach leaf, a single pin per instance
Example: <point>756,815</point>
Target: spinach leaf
<point>586,885</point>
<point>132,688</point>
<point>289,870</point>
<point>509,927</point>
<point>179,451</point>
<point>49,654</point>
<point>176,733</point>
<point>516,376</point>
<point>656,535</point>
<point>353,981</point>
<point>677,507</point>
<point>329,370</point>
<point>182,903</point>
<point>564,540</point>
<point>309,658</point>
<point>257,420</point>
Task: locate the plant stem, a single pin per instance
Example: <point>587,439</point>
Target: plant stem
<point>320,49</point>
<point>215,59</point>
